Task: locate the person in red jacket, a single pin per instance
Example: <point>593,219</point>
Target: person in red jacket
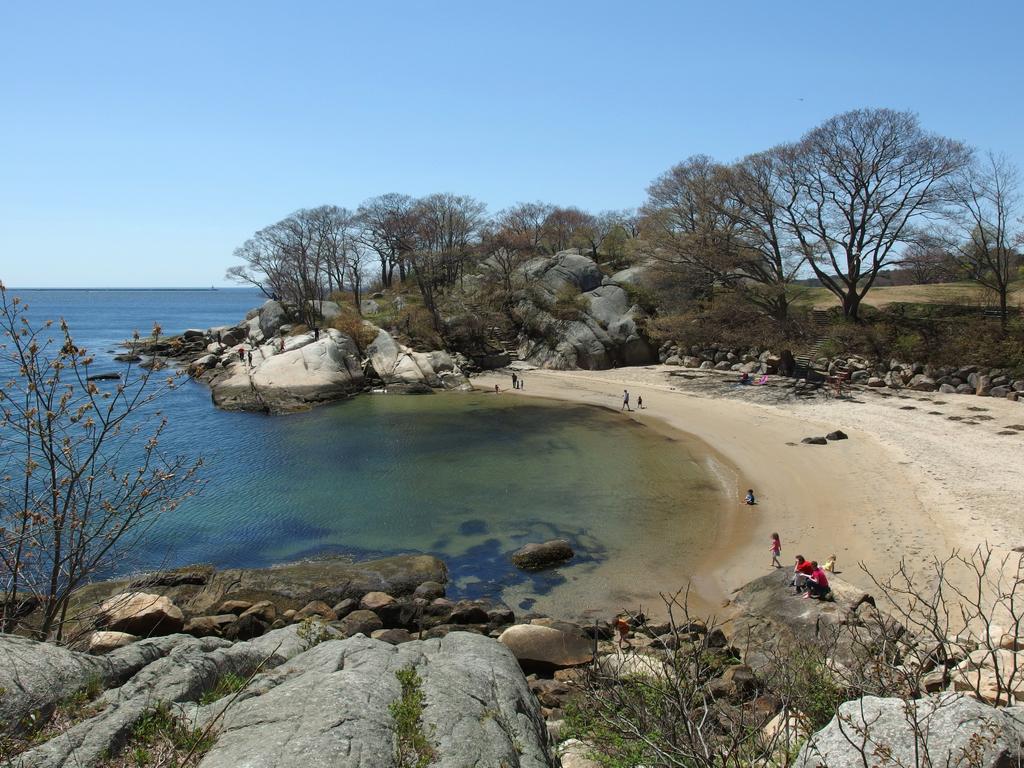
<point>818,585</point>
<point>802,571</point>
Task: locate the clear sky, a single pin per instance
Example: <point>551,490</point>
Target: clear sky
<point>141,142</point>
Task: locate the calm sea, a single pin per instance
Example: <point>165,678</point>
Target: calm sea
<point>468,477</point>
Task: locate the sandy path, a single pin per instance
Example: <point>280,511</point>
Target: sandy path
<point>910,482</point>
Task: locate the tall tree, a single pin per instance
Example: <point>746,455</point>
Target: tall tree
<point>388,229</point>
<point>447,227</point>
<point>856,186</point>
<point>987,196</point>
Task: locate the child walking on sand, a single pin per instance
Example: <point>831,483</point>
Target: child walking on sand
<point>776,551</point>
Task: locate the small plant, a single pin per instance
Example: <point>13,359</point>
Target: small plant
<point>162,739</point>
<point>312,630</point>
<point>227,684</point>
<point>352,325</point>
<point>412,747</point>
<point>43,724</point>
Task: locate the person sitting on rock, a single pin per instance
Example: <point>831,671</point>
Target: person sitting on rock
<point>830,564</point>
<point>817,585</point>
<point>802,571</point>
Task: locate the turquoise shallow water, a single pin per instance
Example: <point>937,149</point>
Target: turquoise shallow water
<point>468,477</point>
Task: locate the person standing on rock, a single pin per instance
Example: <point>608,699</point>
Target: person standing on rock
<point>625,401</point>
<point>316,333</point>
<point>249,355</point>
<point>622,627</point>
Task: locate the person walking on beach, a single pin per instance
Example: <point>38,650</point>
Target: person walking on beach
<point>515,381</point>
<point>639,402</point>
<point>776,551</point>
<point>625,401</point>
<point>522,384</point>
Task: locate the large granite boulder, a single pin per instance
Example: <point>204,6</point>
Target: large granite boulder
<point>141,613</point>
<point>566,269</point>
<point>946,730</point>
<point>307,372</point>
<point>331,706</point>
<point>272,315</point>
<point>769,618</point>
<point>395,363</point>
<point>545,648</point>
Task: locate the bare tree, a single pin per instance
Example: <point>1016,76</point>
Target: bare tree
<point>563,228</point>
<point>447,228</point>
<point>82,477</point>
<point>388,229</point>
<point>503,251</point>
<point>525,223</point>
<point>929,260</point>
<point>987,195</point>
<point>854,189</point>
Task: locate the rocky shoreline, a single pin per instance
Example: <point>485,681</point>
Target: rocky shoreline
<point>315,638</point>
<point>263,365</point>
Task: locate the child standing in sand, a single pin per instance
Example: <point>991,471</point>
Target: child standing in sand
<point>776,551</point>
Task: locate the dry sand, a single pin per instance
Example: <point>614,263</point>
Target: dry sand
<point>920,475</point>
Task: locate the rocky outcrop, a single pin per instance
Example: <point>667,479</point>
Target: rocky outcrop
<point>770,617</point>
<point>598,331</point>
<point>938,730</point>
<point>312,700</point>
<point>141,613</point>
<point>396,364</point>
<point>304,373</point>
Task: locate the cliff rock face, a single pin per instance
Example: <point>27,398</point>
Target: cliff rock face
<point>326,704</point>
<point>600,330</point>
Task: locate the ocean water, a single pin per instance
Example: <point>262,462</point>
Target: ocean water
<point>469,477</point>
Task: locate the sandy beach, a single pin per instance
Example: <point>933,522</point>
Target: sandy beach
<point>920,475</point>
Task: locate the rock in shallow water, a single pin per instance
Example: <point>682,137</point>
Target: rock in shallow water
<point>545,555</point>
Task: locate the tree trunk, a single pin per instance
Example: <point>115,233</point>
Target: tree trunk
<point>851,306</point>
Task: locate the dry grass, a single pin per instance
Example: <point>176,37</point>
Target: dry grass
<point>939,293</point>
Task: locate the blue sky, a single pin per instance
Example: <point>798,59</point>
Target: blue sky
<point>140,143</point>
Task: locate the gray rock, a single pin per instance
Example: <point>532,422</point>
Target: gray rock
<point>837,435</point>
<point>951,727</point>
<point>330,707</point>
<point>306,373</point>
<point>272,316</point>
<point>547,647</point>
<point>545,555</point>
<point>999,391</point>
<point>171,669</point>
<point>947,389</point>
<point>359,622</point>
